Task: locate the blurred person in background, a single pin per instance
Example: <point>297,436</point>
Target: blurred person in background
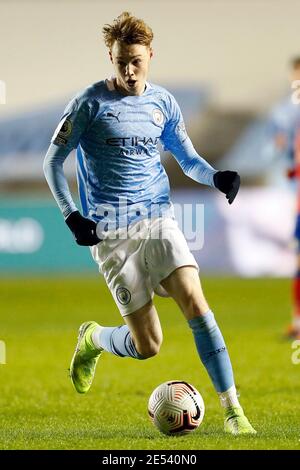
<point>284,144</point>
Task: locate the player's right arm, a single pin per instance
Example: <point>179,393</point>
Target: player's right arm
<point>71,127</point>
<point>175,139</point>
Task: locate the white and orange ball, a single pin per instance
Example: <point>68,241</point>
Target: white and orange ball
<point>176,407</point>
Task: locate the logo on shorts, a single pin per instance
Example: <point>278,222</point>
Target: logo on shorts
<point>123,295</point>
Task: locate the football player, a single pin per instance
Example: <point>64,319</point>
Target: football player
<point>128,219</point>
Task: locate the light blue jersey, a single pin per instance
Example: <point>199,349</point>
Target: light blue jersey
<point>120,175</point>
<point>285,119</point>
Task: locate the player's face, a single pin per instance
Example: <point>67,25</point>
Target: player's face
<point>131,63</point>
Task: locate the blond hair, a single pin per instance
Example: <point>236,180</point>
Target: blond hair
<point>128,29</point>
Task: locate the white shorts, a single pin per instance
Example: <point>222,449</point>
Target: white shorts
<point>135,259</point>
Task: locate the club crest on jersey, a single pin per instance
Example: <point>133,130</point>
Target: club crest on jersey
<point>123,295</point>
<point>62,133</point>
<point>158,116</point>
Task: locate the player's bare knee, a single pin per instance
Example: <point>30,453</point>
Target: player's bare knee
<point>149,349</point>
<point>152,350</point>
<point>195,306</point>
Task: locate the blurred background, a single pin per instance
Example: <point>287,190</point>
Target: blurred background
<point>227,63</point>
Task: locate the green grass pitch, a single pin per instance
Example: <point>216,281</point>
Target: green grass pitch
<point>40,410</point>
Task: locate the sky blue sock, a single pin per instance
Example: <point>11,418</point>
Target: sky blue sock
<point>212,350</point>
<point>118,341</point>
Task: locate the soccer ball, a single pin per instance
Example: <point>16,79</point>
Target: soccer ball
<point>176,407</point>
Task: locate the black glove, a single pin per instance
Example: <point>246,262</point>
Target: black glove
<point>84,230</point>
<point>228,182</point>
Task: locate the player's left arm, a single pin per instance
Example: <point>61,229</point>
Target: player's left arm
<point>175,139</point>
